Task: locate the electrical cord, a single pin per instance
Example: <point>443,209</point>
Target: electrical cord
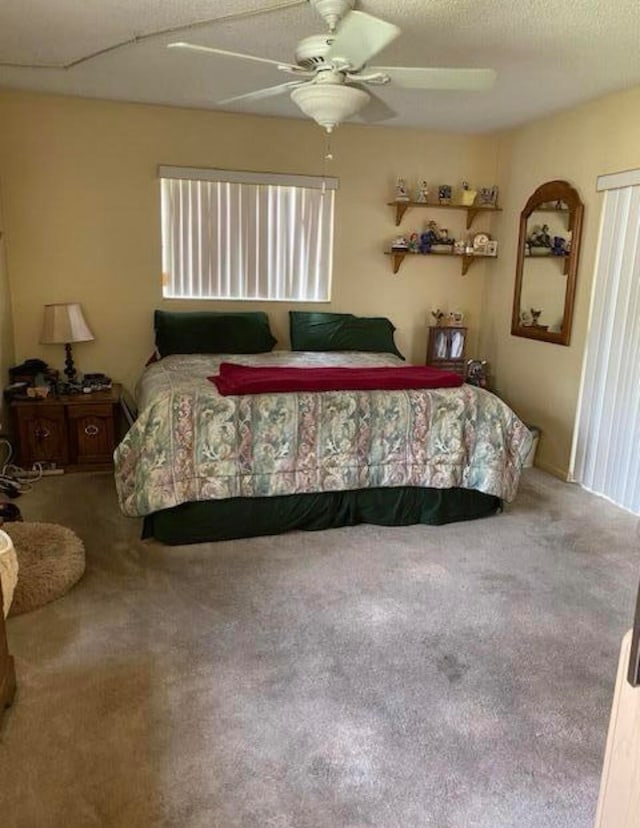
<point>14,480</point>
<point>140,38</point>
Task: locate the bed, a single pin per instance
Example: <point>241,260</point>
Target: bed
<point>199,466</point>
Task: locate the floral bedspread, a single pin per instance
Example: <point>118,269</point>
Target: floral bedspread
<point>190,443</point>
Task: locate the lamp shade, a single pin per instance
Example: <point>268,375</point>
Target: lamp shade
<point>329,104</point>
<point>64,323</point>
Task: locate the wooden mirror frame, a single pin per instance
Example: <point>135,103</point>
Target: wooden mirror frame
<point>551,191</point>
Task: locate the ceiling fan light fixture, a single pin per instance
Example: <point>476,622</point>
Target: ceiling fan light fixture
<point>329,104</point>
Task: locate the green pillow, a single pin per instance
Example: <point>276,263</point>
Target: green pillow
<point>341,332</point>
<point>210,332</point>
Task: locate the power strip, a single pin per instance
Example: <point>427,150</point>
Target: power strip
<point>51,472</point>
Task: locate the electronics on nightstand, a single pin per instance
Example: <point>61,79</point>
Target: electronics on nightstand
<point>96,382</point>
<point>88,384</point>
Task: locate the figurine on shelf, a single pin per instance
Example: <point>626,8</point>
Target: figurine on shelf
<point>480,243</point>
<point>425,242</point>
<point>535,317</point>
<point>531,318</point>
<point>414,243</point>
<point>422,193</point>
<point>559,246</point>
<point>467,196</point>
<point>440,239</point>
<point>400,243</point>
<point>402,194</point>
<point>430,236</point>
<point>455,319</point>
<point>488,196</point>
<point>492,247</point>
<point>444,194</point>
<point>460,247</point>
<point>539,240</point>
<point>438,315</point>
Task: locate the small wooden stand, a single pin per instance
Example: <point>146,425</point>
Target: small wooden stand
<point>446,348</point>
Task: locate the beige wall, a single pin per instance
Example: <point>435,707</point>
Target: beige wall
<point>82,215</point>
<point>82,224</point>
<point>6,324</point>
<point>541,380</point>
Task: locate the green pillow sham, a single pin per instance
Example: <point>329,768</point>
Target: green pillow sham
<point>211,332</point>
<point>313,331</point>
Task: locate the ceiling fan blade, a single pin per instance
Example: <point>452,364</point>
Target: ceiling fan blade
<point>260,94</point>
<point>472,80</point>
<point>196,47</point>
<point>376,110</point>
<point>359,37</point>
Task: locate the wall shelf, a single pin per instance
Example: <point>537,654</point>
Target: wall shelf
<point>472,211</point>
<point>398,256</point>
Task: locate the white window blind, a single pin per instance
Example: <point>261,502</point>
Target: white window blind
<point>242,235</point>
<point>607,438</point>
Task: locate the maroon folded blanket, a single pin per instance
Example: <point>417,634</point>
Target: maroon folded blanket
<point>245,379</point>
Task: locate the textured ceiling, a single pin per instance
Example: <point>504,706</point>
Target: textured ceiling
<point>548,55</point>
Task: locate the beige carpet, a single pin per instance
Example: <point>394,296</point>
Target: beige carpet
<point>420,677</point>
<point>50,562</point>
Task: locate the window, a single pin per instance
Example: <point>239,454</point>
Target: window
<point>244,235</point>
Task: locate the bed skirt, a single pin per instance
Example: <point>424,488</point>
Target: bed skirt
<point>216,520</point>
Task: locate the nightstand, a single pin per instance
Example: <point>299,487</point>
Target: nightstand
<point>76,432</point>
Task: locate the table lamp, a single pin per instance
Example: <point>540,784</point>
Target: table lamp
<point>64,324</point>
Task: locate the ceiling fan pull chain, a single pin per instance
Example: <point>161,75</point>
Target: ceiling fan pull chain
<point>328,156</point>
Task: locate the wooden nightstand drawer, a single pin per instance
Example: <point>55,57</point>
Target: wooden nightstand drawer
<point>42,434</point>
<point>87,409</point>
<point>74,432</point>
<point>92,435</point>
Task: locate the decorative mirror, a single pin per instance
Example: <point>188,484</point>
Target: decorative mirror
<point>548,250</point>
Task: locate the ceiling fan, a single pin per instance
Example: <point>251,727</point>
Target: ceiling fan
<point>331,68</point>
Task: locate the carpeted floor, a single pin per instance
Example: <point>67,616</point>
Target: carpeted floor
<point>421,677</point>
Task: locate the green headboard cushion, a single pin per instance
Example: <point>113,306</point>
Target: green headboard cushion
<point>211,332</point>
<point>312,331</point>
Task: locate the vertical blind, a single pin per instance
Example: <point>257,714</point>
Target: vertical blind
<point>607,441</point>
<point>241,235</point>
